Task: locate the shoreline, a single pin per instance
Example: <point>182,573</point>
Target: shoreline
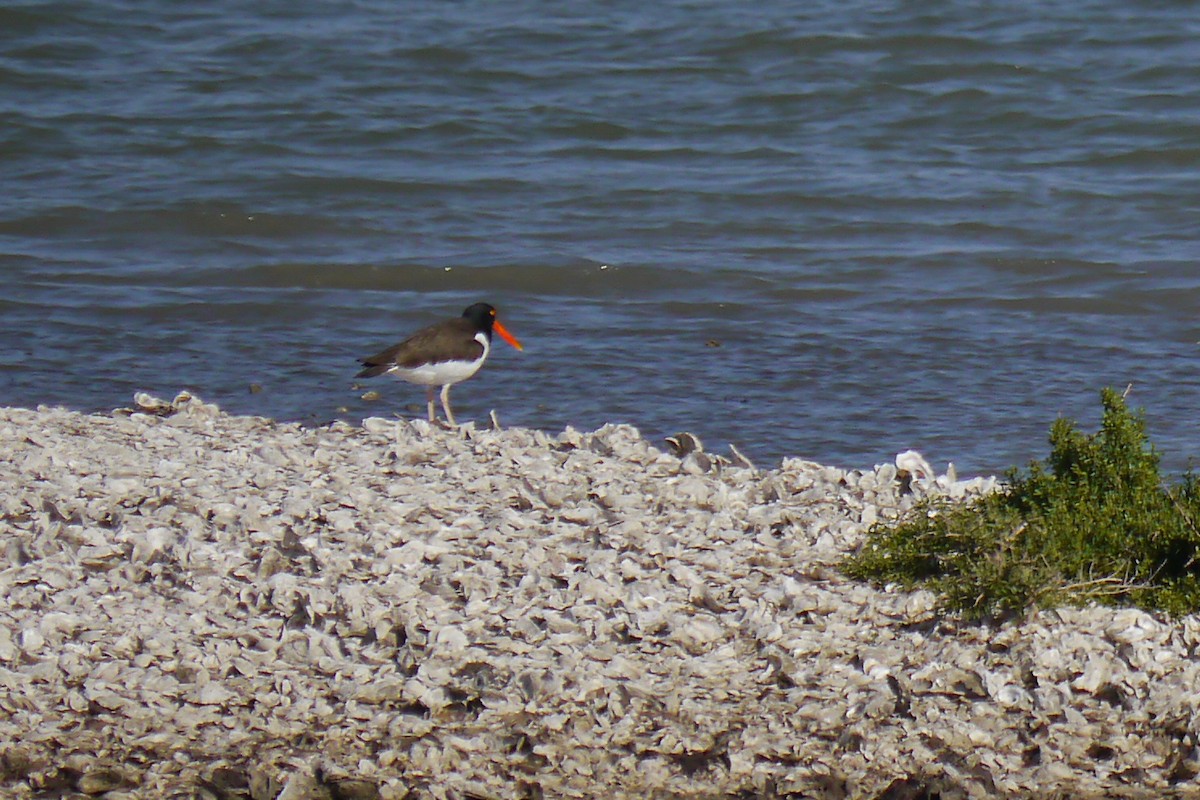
<point>196,601</point>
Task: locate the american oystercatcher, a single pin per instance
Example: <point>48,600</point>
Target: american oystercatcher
<point>443,354</point>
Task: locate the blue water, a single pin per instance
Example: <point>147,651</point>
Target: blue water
<point>833,231</point>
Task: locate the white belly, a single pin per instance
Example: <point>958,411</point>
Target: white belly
<point>439,374</point>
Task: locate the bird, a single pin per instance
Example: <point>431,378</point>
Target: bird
<point>442,354</point>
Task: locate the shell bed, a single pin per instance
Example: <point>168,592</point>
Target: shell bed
<point>199,605</point>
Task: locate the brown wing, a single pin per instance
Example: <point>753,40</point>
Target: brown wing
<point>452,340</point>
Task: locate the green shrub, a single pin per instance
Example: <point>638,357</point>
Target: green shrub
<point>1093,522</point>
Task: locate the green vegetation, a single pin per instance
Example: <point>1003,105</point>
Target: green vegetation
<point>1093,522</point>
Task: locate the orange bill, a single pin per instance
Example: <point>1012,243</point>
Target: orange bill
<point>506,336</point>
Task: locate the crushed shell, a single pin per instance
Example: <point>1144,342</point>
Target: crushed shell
<point>202,605</point>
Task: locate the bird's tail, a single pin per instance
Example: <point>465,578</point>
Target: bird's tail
<point>372,369</point>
